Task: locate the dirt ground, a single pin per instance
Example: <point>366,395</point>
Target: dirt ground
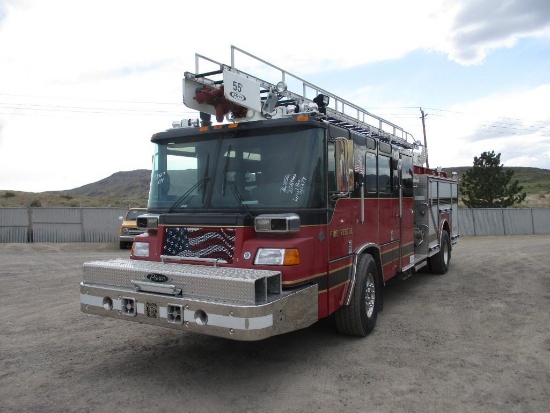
<point>474,340</point>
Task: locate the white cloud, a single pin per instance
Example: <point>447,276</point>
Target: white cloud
<point>465,131</point>
<point>482,26</point>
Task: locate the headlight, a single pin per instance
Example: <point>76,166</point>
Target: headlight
<point>140,249</point>
<point>277,256</point>
<point>124,231</point>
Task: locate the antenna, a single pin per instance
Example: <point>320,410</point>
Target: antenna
<point>425,141</point>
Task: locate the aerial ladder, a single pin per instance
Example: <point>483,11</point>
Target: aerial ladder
<point>231,94</point>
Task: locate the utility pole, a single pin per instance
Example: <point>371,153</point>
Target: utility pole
<point>425,141</point>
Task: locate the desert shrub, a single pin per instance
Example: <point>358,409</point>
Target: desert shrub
<point>8,194</point>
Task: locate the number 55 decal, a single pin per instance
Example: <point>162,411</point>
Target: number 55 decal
<point>242,90</point>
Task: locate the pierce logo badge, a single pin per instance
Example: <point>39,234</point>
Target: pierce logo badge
<point>157,278</point>
<point>238,96</point>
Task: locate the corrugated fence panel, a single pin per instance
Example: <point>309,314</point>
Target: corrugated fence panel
<point>57,225</point>
<point>518,221</point>
<point>14,223</point>
<point>488,221</point>
<point>509,221</point>
<point>466,226</point>
<point>102,224</point>
<point>541,221</point>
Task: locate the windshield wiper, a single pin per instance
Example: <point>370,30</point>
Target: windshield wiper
<point>205,176</point>
<point>237,194</point>
<point>232,185</point>
<point>226,169</point>
<point>185,195</point>
<point>204,179</point>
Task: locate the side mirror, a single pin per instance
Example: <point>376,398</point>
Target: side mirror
<point>343,152</point>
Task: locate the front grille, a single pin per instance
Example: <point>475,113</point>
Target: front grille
<point>216,243</point>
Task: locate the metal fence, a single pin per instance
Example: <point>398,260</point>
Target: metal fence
<point>102,224</point>
<point>60,224</point>
<point>509,221</point>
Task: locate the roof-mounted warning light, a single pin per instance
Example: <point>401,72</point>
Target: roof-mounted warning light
<point>186,123</point>
<point>273,97</point>
<point>281,87</point>
<point>322,102</point>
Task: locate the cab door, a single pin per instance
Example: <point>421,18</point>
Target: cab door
<point>389,217</point>
<point>388,212</point>
<point>340,228</point>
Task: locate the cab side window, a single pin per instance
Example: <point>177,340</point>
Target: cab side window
<point>384,174</point>
<point>370,172</point>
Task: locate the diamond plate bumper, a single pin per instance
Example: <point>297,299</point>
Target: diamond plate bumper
<point>226,302</point>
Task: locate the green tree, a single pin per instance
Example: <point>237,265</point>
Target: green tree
<point>488,185</point>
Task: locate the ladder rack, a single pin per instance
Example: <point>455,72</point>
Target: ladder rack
<point>337,112</point>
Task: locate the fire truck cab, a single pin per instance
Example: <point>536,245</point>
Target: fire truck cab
<point>285,211</point>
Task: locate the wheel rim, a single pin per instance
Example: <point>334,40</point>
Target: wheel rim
<point>445,254</point>
<point>370,295</point>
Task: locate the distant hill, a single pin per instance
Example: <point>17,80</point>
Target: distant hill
<point>533,180</point>
<point>130,189</point>
<point>122,189</point>
<point>130,184</point>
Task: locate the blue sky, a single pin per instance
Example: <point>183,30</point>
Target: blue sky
<point>83,85</point>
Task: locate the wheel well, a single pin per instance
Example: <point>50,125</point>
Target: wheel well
<point>375,253</point>
<point>446,228</point>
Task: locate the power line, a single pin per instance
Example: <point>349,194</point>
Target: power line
<point>87,99</point>
<point>500,117</point>
<point>82,109</point>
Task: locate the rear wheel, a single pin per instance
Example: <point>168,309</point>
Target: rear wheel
<point>359,318</point>
<point>439,263</point>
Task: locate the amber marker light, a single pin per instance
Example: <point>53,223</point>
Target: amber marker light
<point>292,256</point>
<point>203,128</point>
<point>302,118</point>
<point>232,125</point>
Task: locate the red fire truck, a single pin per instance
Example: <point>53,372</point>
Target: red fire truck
<point>291,207</point>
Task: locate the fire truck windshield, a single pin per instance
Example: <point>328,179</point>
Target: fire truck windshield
<point>246,170</point>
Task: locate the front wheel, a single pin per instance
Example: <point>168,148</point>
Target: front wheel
<point>439,263</point>
<point>359,318</point>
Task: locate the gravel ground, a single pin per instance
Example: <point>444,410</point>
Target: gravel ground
<point>474,340</point>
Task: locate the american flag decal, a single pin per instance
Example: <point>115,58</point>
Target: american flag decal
<point>200,243</point>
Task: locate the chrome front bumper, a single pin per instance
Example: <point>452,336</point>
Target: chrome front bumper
<point>225,302</point>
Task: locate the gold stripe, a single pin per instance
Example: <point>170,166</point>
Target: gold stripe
<point>338,285</point>
<point>340,268</point>
<point>304,279</point>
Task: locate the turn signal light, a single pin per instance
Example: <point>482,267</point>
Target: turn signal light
<point>292,256</point>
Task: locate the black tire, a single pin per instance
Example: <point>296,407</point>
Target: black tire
<point>439,263</point>
<point>359,318</point>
